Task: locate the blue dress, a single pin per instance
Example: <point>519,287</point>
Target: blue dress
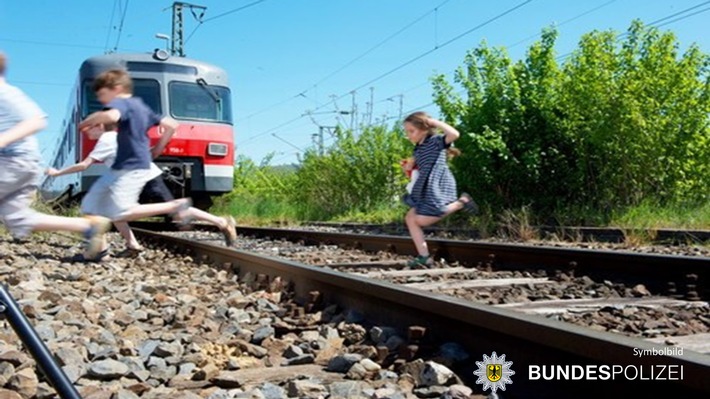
<point>435,187</point>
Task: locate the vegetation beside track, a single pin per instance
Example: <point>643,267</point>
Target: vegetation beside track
<point>615,133</point>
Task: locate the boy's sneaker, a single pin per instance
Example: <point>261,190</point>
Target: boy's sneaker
<point>230,231</point>
<point>130,253</point>
<point>94,235</point>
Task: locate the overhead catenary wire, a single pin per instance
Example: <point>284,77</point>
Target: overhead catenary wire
<point>120,26</point>
<point>224,14</point>
<point>349,63</point>
<point>110,24</point>
<point>397,68</point>
<point>653,24</point>
<point>656,24</point>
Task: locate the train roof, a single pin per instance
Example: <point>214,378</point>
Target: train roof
<point>152,62</point>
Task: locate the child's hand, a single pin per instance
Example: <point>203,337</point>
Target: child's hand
<point>52,172</point>
<point>407,164</point>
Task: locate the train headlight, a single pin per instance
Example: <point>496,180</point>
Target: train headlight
<point>217,149</point>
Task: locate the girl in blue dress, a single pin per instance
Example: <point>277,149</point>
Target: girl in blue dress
<point>434,193</point>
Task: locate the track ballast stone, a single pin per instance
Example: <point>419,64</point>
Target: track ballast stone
<point>166,326</point>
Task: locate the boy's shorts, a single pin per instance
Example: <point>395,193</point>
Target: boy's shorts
<point>155,191</point>
<point>18,186</point>
<point>116,192</point>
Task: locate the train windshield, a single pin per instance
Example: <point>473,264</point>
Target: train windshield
<point>147,89</point>
<point>200,101</point>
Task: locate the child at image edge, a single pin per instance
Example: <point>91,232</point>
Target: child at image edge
<point>20,119</point>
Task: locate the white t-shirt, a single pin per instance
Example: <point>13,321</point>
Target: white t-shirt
<point>105,149</point>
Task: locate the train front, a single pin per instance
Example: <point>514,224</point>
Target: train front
<point>199,160</point>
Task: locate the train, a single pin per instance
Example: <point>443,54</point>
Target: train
<point>199,160</point>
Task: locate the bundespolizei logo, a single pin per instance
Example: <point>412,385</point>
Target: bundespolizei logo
<point>494,372</point>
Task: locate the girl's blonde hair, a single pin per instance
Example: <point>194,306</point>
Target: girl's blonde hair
<point>419,120</point>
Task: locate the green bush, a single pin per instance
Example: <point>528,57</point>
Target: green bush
<point>618,123</point>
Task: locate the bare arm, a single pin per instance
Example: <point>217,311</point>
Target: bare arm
<point>78,167</point>
<point>99,117</point>
<point>167,128</point>
<point>450,132</point>
<point>23,129</point>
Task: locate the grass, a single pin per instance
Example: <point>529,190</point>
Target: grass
<point>252,210</point>
<point>652,217</point>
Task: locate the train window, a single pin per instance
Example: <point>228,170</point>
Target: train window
<point>200,101</point>
<point>160,67</point>
<point>147,89</point>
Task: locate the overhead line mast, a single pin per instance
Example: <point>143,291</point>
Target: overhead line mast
<point>177,46</point>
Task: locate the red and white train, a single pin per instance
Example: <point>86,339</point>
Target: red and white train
<point>199,160</point>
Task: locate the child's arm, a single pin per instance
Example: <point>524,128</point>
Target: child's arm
<point>78,167</point>
<point>167,126</point>
<point>23,129</point>
<point>100,117</point>
<point>450,133</point>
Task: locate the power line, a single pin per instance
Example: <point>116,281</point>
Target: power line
<point>30,82</point>
<point>378,45</point>
<point>565,22</point>
<point>44,43</point>
<point>683,17</point>
<point>680,12</point>
<point>200,21</point>
<point>235,10</point>
<point>110,25</point>
<point>574,18</point>
<point>508,11</point>
<point>420,56</point>
<point>655,24</point>
<point>349,63</point>
<point>120,26</point>
<point>651,24</point>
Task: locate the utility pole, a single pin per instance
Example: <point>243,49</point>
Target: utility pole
<point>318,138</point>
<point>178,40</point>
<point>372,106</point>
<point>401,101</point>
<point>353,112</point>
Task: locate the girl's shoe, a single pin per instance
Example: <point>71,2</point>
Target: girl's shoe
<point>421,262</point>
<point>469,205</point>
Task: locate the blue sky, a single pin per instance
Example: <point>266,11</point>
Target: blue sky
<point>286,59</point>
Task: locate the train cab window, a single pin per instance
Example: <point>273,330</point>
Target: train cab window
<point>200,101</point>
<point>147,89</point>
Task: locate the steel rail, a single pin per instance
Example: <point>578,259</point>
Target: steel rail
<point>525,339</point>
<point>687,275</point>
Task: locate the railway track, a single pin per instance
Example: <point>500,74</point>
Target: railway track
<point>585,234</point>
<point>405,298</point>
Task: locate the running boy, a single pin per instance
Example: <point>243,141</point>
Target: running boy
<point>105,151</point>
<point>116,194</point>
<point>20,119</point>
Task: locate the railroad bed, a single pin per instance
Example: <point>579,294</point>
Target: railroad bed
<point>596,236</point>
<point>225,323</point>
<point>603,305</point>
